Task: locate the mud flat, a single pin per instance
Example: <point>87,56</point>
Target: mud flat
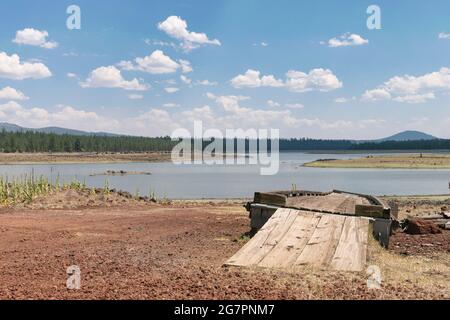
<point>401,161</point>
<point>36,158</point>
<point>129,248</point>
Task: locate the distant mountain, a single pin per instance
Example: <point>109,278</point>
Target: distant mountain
<point>56,130</point>
<point>408,135</point>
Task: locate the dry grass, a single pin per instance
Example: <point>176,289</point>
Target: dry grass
<point>403,161</point>
<point>431,274</point>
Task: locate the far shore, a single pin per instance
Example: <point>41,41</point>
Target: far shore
<point>400,161</point>
<point>82,157</point>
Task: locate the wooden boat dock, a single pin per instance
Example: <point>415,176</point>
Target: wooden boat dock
<point>327,230</point>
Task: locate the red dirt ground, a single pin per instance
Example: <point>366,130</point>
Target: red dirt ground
<point>155,252</point>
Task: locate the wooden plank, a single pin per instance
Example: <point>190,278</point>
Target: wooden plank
<point>373,211</point>
<point>351,251</point>
<point>269,235</point>
<point>285,253</point>
<point>323,243</point>
<point>270,198</point>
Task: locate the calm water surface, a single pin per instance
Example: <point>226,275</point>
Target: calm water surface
<point>197,181</point>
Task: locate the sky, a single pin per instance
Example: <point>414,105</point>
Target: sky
<point>308,68</point>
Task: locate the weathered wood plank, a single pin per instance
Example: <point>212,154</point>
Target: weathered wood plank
<point>351,251</point>
<point>323,243</point>
<point>272,232</point>
<point>270,198</point>
<point>285,253</point>
<point>373,211</point>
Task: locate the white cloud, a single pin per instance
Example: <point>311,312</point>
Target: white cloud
<point>346,40</point>
<point>344,100</point>
<point>177,28</point>
<point>411,89</point>
<point>293,106</point>
<point>185,79</point>
<point>9,93</point>
<point>156,63</point>
<point>273,104</point>
<point>185,66</point>
<point>376,94</point>
<point>171,89</point>
<point>135,96</point>
<point>296,81</point>
<point>253,79</point>
<point>111,77</point>
<point>155,122</point>
<point>12,68</point>
<point>207,83</point>
<point>33,37</point>
<point>71,75</point>
<point>415,98</point>
<point>317,79</point>
<point>262,44</point>
<point>171,105</point>
<point>444,35</point>
<point>64,116</point>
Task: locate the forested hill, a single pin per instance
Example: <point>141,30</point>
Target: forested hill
<point>32,141</point>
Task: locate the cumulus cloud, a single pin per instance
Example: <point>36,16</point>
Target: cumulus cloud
<point>64,116</point>
<point>177,28</point>
<point>411,89</point>
<point>253,79</point>
<point>156,63</point>
<point>296,81</point>
<point>376,94</point>
<point>9,93</point>
<point>12,68</point>
<point>71,75</point>
<point>111,77</point>
<point>33,37</point>
<point>347,40</point>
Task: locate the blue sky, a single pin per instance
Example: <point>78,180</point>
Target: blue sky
<point>149,67</point>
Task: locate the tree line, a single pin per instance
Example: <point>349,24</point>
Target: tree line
<point>31,141</point>
<point>49,142</point>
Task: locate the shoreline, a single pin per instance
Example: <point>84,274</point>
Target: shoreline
<point>416,161</point>
<point>82,158</point>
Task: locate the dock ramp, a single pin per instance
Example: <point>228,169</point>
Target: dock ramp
<point>291,239</point>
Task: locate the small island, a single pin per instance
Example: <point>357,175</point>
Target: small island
<point>400,161</point>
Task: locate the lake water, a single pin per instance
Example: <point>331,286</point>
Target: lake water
<point>198,181</point>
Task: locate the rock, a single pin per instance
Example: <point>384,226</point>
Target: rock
<point>421,226</point>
